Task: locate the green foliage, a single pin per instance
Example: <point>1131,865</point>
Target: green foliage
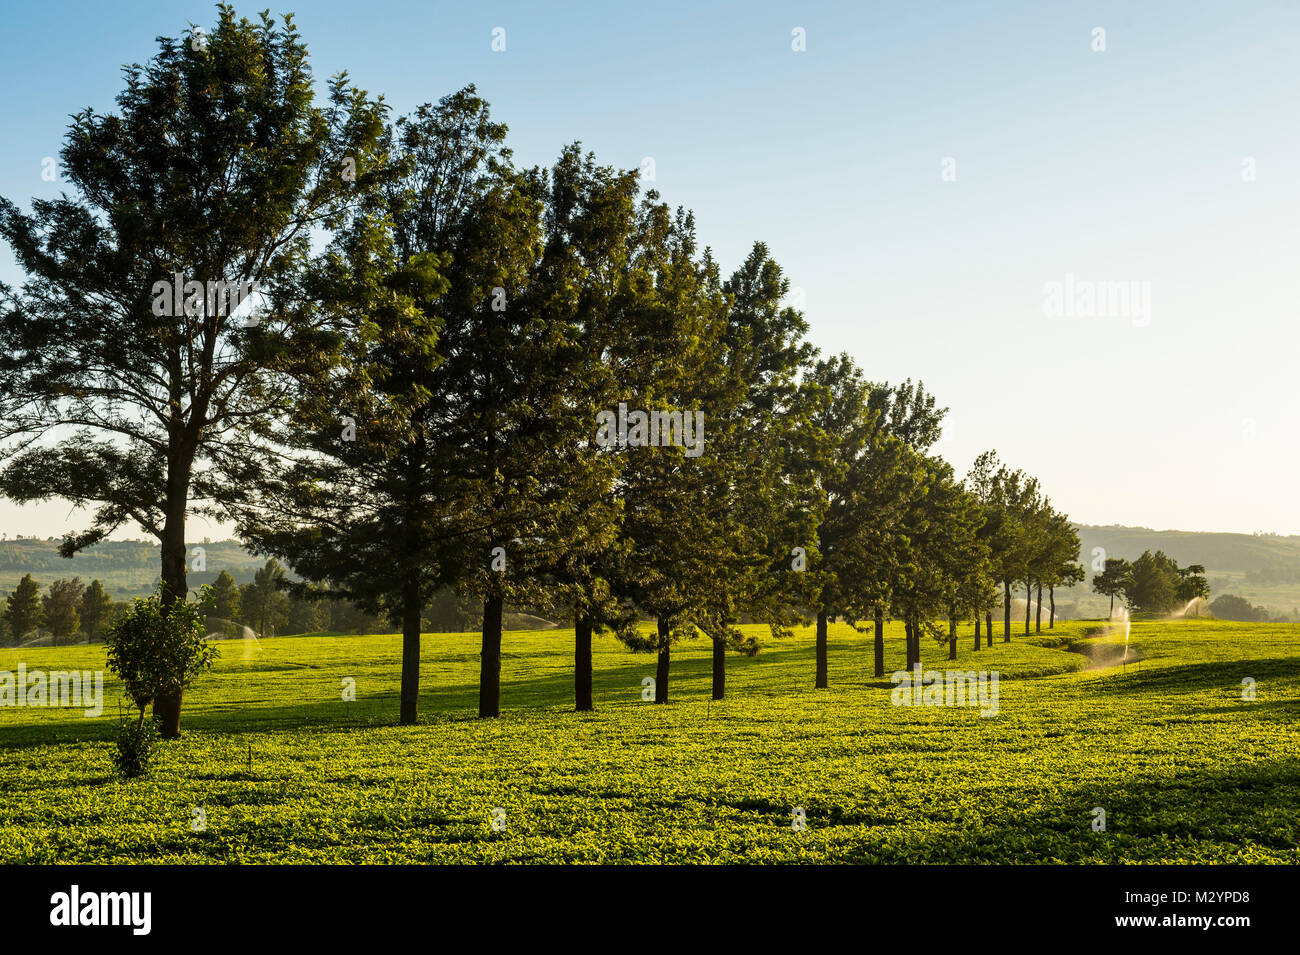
<point>158,648</point>
<point>62,606</point>
<point>223,599</point>
<point>1234,607</point>
<point>263,602</point>
<point>96,608</point>
<point>23,609</point>
<point>1156,584</point>
<point>1114,580</point>
<point>1188,772</point>
<point>136,740</point>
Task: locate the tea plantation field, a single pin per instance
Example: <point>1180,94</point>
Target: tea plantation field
<point>284,769</point>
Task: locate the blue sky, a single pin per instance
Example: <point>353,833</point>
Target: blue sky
<point>1120,165</point>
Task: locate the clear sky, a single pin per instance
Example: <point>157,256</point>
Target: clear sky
<point>1129,164</point>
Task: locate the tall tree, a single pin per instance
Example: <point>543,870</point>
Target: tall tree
<point>1192,585</point>
<point>264,601</point>
<point>62,605</point>
<point>224,599</point>
<point>1113,580</point>
<point>215,174</point>
<point>96,608</point>
<point>23,610</point>
<point>767,453</point>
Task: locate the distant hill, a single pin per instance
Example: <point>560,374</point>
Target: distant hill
<point>126,568</point>
<point>1238,553</point>
<point>1263,569</point>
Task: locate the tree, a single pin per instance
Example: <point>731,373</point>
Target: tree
<point>673,354</point>
<point>1192,585</point>
<point>599,238</point>
<point>224,599</point>
<point>1010,500</point>
<point>205,190</point>
<point>157,647</point>
<point>943,560</point>
<point>1114,580</point>
<point>1152,586</point>
<point>1233,607</point>
<point>306,615</point>
<point>62,605</point>
<point>96,609</point>
<point>264,601</point>
<point>766,453</point>
<point>23,610</point>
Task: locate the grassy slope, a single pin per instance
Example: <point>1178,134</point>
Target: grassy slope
<point>1185,770</point>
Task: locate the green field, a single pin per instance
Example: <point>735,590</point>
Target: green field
<point>1185,770</point>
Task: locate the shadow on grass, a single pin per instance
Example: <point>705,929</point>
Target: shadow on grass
<point>1211,675</point>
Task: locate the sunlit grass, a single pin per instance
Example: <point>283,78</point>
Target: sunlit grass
<point>1185,769</point>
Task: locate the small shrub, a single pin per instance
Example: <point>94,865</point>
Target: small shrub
<point>158,649</point>
<point>135,746</point>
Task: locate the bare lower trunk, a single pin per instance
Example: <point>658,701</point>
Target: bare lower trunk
<point>661,670</point>
<point>1051,599</point>
<point>489,673</point>
<point>582,695</point>
<point>977,631</point>
<point>1029,599</point>
<point>1038,613</point>
<point>719,670</point>
<point>821,649</point>
<point>167,706</point>
<point>1006,611</point>
<point>411,606</point>
<point>988,628</point>
<point>879,646</point>
<point>952,638</point>
<point>907,639</point>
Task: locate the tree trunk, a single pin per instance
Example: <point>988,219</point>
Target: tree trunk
<point>988,628</point>
<point>1112,606</point>
<point>907,639</point>
<point>1038,612</point>
<point>1051,599</point>
<point>719,670</point>
<point>880,643</point>
<point>167,706</point>
<point>489,674</point>
<point>411,607</point>
<point>582,628</point>
<point>1029,599</point>
<point>821,649</point>
<point>661,670</point>
<point>1006,611</point>
<point>977,631</point>
<point>952,638</point>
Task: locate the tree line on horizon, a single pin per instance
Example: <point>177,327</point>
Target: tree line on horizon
<point>410,405</point>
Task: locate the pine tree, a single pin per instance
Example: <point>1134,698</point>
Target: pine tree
<point>23,610</point>
<point>96,607</point>
<point>216,173</point>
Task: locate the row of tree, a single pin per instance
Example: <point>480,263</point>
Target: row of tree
<point>1154,583</point>
<point>410,406</point>
<point>67,611</point>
